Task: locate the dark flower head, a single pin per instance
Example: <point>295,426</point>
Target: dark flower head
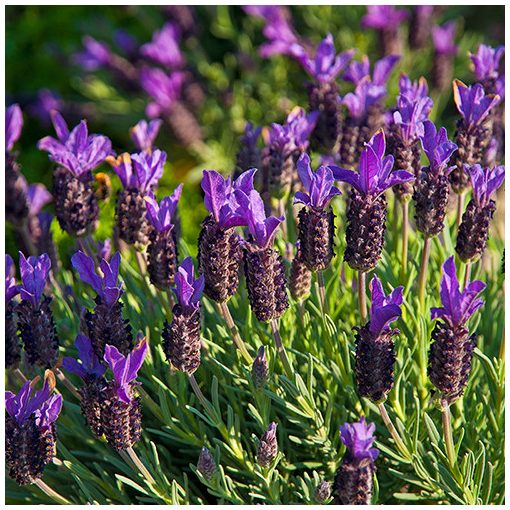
<point>107,286</point>
<point>485,182</point>
<point>43,405</point>
<point>326,65</point>
<point>164,47</point>
<point>104,249</point>
<point>164,89</point>
<point>319,184</point>
<point>358,70</point>
<point>90,365</point>
<point>374,174</point>
<point>11,289</point>
<point>94,56</point>
<point>413,90</point>
<point>160,215</point>
<point>383,17</point>
<point>251,135</point>
<point>188,291</point>
<point>437,147</point>
<point>34,272</point>
<point>443,39</point>
<point>299,126</point>
<point>410,116</point>
<point>486,61</point>
<point>458,306</point>
<point>13,126</point>
<point>144,134</point>
<point>472,103</point>
<point>261,228</point>
<point>220,199</point>
<point>75,150</point>
<point>384,309</point>
<point>358,438</point>
<point>125,368</point>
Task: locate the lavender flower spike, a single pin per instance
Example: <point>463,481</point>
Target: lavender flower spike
<point>13,126</point>
<point>485,182</point>
<point>452,346</point>
<point>383,16</point>
<point>164,89</point>
<point>30,439</point>
<point>443,38</point>
<point>413,90</point>
<point>144,134</point>
<point>34,272</point>
<point>354,478</point>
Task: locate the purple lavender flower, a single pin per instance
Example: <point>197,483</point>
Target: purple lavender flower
<point>47,101</point>
<point>164,47</point>
<point>164,89</point>
<point>383,16</point>
<point>443,39</point>
<point>319,185</point>
<point>384,309</point>
<point>107,286</point>
<point>326,65</point>
<point>160,215</point>
<point>75,150</point>
<point>104,249</point>
<point>144,134</point>
<point>30,431</point>
<point>248,155</point>
<point>37,197</point>
<point>354,478</point>
<point>413,90</point>
<point>125,368</point>
<point>422,18</point>
<point>87,365</point>
<point>13,126</point>
<point>486,62</point>
<point>299,125</point>
<point>374,174</point>
<point>188,290</point>
<point>94,56</point>
<point>358,70</point>
<point>126,42</point>
<point>34,272</point>
<point>11,289</point>
<point>485,182</point>
<point>409,117</point>
<point>437,148</point>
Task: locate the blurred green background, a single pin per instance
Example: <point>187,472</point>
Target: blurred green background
<point>239,85</point>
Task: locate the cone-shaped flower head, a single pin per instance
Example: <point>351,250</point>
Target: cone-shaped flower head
<point>318,185</point>
<point>486,62</point>
<point>220,197</point>
<point>164,47</point>
<point>106,285</point>
<point>410,116</point>
<point>87,365</point>
<point>383,16</point>
<point>163,88</point>
<point>458,306</point>
<point>384,309</point>
<point>326,65</point>
<point>160,215</point>
<point>437,147</point>
<point>359,437</point>
<point>268,446</point>
<point>125,368</point>
<point>75,150</point>
<point>374,174</point>
<point>34,272</point>
<point>472,103</point>
<point>206,464</point>
<point>443,39</point>
<point>485,183</point>
<point>43,405</point>
<point>260,369</point>
<point>95,54</point>
<point>144,134</point>
<point>188,291</point>
<point>11,289</point>
<point>413,90</point>
<point>261,228</point>
<point>13,126</point>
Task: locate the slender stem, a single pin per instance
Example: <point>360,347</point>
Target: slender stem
<point>281,349</point>
<point>322,291</point>
<point>238,341</point>
<point>140,260</point>
<point>281,212</point>
<point>139,464</point>
<point>20,375</point>
<point>170,296</point>
<point>447,431</point>
<point>362,296</point>
<point>502,346</point>
<point>392,430</point>
<point>460,208</point>
<point>85,248</point>
<point>198,392</point>
<point>422,280</point>
<point>467,274</point>
<point>405,238</point>
<point>67,383</point>
<point>54,495</point>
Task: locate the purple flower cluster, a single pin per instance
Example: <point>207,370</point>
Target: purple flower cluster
<point>34,273</point>
<point>384,309</point>
<point>437,148</point>
<point>359,437</point>
<point>160,215</point>
<point>188,290</point>
<point>144,134</point>
<point>13,126</point>
<point>485,182</point>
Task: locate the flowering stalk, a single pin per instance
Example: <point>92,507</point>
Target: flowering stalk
<point>249,155</point>
<point>443,41</point>
<point>386,19</point>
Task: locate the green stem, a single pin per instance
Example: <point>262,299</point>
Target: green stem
<point>54,495</point>
<point>140,260</point>
<point>467,274</point>
<point>198,392</point>
<point>138,463</point>
<point>282,353</point>
<point>460,209</point>
<point>362,296</point>
<point>322,292</point>
<point>422,279</point>
<point>405,239</point>
<point>238,341</point>
<point>67,383</point>
<point>393,431</point>
<point>447,431</point>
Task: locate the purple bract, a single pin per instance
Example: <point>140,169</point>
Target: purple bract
<point>125,368</point>
<point>443,39</point>
<point>358,438</point>
<point>107,286</point>
<point>458,306</point>
<point>164,89</point>
<point>437,147</point>
<point>188,290</point>
<point>410,116</point>
<point>164,47</point>
<point>90,366</point>
<point>374,174</point>
<point>160,215</point>
<point>104,249</point>
<point>383,17</point>
<point>485,182</point>
<point>358,70</point>
<point>413,90</point>
<point>486,61</point>
<point>11,289</point>
<point>94,56</point>
<point>299,126</point>
<point>37,197</point>
<point>472,103</point>
<point>144,134</point>
<point>251,135</point>
<point>319,185</point>
<point>384,309</point>
<point>34,272</point>
<point>13,126</point>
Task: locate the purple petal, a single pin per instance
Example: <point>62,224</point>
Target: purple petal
<point>135,360</point>
<point>301,198</point>
<point>383,68</point>
<point>305,171</point>
<point>60,126</point>
<point>13,126</point>
<point>87,271</point>
<point>215,189</point>
<point>348,176</point>
<point>245,181</point>
<point>37,196</point>
<point>71,365</point>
